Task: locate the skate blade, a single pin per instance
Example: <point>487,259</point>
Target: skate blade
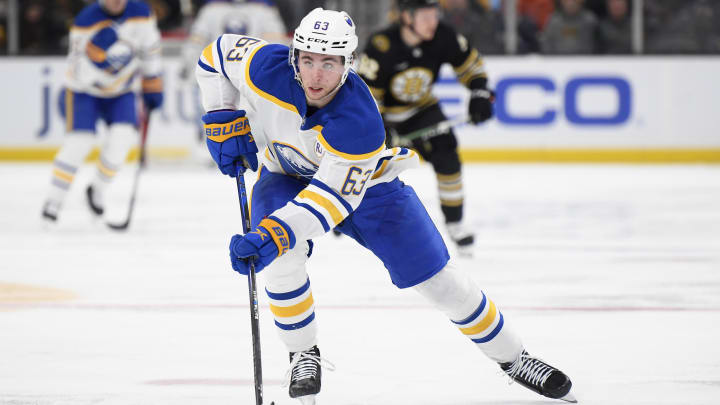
<point>48,225</point>
<point>465,252</point>
<point>569,397</point>
<point>307,400</point>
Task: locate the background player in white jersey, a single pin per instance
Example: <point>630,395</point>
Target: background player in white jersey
<point>114,55</point>
<point>215,18</point>
<point>324,165</point>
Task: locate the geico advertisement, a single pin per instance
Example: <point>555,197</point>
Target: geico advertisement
<point>593,102</point>
<point>540,102</point>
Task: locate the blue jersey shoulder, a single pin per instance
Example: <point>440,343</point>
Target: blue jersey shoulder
<point>351,122</point>
<point>94,14</point>
<point>137,9</point>
<point>271,73</point>
<point>90,15</point>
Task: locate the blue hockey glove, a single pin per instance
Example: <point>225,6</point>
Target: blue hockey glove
<point>270,240</point>
<point>152,88</point>
<point>152,100</point>
<point>230,142</point>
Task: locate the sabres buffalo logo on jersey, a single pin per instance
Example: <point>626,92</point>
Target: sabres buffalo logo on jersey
<point>293,162</point>
<point>108,51</point>
<point>236,24</point>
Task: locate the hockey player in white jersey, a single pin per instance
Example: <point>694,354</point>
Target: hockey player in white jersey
<point>255,19</point>
<point>114,55</point>
<point>324,165</point>
<point>232,17</point>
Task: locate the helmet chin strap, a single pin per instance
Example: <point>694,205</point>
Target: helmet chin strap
<point>411,26</point>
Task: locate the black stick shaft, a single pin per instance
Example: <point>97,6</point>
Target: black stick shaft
<point>143,156</point>
<point>427,133</point>
<point>252,288</point>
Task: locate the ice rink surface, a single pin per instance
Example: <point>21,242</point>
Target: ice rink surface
<point>610,272</point>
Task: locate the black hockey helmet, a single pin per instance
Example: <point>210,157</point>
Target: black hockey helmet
<point>414,4</point>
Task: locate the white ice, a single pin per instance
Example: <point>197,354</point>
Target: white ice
<point>611,273</point>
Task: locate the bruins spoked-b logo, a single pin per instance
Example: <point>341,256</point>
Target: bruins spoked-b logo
<point>412,85</point>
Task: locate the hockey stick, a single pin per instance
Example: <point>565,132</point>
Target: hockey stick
<point>252,288</point>
<point>425,133</point>
<point>143,141</point>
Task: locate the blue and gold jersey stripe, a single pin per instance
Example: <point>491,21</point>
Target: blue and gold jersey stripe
<point>316,213</point>
<point>209,63</point>
<point>256,89</point>
<point>397,155</point>
<point>324,203</point>
<point>220,57</point>
<point>348,156</point>
<point>319,184</point>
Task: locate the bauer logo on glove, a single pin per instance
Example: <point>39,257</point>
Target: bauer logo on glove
<point>230,142</point>
<point>221,132</point>
<point>260,248</point>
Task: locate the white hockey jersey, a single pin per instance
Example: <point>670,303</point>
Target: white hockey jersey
<point>109,55</point>
<point>339,150</point>
<point>217,18</point>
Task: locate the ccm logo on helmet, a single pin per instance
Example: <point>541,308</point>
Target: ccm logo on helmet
<point>318,40</point>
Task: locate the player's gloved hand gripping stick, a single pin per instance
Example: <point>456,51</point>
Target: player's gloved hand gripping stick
<point>244,252</point>
<point>230,142</point>
<point>252,288</point>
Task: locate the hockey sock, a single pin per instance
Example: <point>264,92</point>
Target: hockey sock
<point>477,316</point>
<point>62,176</point>
<point>450,191</point>
<point>291,301</point>
<point>105,173</point>
<point>67,161</point>
<point>294,313</point>
<point>113,153</point>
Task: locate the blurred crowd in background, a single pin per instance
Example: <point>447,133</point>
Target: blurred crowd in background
<point>556,27</point>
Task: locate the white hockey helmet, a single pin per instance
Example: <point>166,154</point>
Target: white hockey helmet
<point>326,32</point>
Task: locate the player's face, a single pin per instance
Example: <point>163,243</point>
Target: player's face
<point>617,8</point>
<point>114,6</point>
<point>320,75</point>
<point>425,22</point>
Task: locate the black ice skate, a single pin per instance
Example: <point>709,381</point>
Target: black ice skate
<point>305,374</point>
<point>50,212</point>
<point>94,207</point>
<point>463,238</point>
<point>540,377</point>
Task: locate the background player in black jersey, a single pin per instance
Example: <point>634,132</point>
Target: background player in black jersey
<point>400,64</point>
